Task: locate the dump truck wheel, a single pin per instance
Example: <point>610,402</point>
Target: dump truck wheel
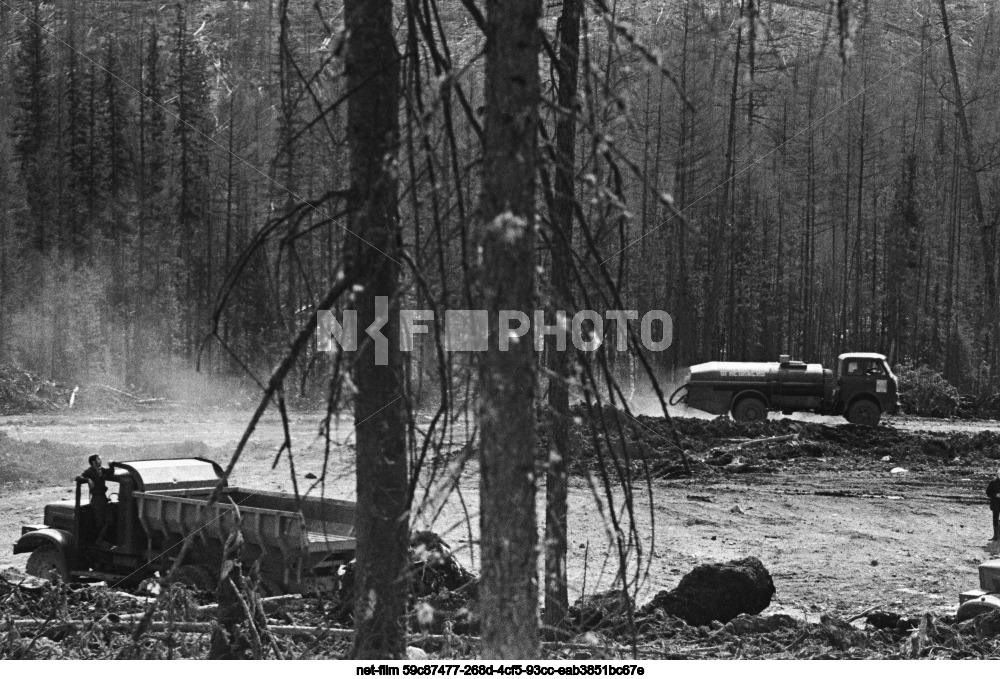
<point>750,409</point>
<point>48,562</point>
<point>194,577</point>
<point>864,412</point>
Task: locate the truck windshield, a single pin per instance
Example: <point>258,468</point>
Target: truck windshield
<point>857,367</point>
<point>874,368</point>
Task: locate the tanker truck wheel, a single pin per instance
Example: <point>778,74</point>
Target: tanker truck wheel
<point>864,412</point>
<point>750,409</point>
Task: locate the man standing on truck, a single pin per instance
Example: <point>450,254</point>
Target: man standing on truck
<point>993,492</point>
<point>96,477</point>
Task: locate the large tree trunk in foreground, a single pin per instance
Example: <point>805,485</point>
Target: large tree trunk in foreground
<point>509,591</point>
<point>372,67</point>
<point>559,362</point>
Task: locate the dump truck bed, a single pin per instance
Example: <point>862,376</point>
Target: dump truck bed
<point>274,522</point>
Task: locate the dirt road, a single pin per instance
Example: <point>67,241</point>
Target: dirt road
<point>836,537</point>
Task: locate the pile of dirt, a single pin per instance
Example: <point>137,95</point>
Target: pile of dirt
<point>57,464</point>
<point>717,591</point>
<point>39,462</point>
<point>644,444</point>
<point>712,592</point>
<point>24,392</point>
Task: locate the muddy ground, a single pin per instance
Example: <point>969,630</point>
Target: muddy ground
<point>820,505</point>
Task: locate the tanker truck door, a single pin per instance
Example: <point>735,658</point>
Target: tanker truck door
<point>863,376</point>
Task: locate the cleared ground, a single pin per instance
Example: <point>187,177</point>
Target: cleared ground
<point>838,535</point>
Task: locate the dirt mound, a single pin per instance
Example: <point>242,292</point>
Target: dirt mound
<point>57,464</point>
<point>722,446</point>
<point>718,591</point>
<point>41,462</point>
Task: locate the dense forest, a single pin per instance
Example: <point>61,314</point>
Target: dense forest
<point>775,181</point>
<point>186,186</point>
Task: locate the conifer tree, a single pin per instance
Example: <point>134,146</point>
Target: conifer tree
<point>32,122</point>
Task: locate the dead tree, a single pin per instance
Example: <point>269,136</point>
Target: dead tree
<point>506,237</point>
<point>987,227</point>
<point>372,68</point>
<point>557,474</point>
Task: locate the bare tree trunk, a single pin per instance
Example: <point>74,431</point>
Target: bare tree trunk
<point>949,358</point>
<point>874,341</point>
<point>858,262</point>
<point>372,67</point>
<point>683,177</point>
<point>841,343</point>
<point>3,279</point>
<point>509,591</point>
<point>986,227</point>
<point>557,475</point>
<point>726,224</point>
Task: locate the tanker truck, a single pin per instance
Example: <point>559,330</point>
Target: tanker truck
<point>863,388</point>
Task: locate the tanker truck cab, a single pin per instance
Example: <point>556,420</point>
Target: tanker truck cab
<point>866,388</point>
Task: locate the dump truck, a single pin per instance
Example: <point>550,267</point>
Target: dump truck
<point>300,543</point>
<point>863,388</point>
<point>986,598</point>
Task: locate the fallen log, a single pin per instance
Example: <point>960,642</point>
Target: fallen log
<point>271,604</point>
<point>737,445</point>
<point>283,630</point>
<point>117,391</point>
<point>770,439</point>
<point>118,594</point>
